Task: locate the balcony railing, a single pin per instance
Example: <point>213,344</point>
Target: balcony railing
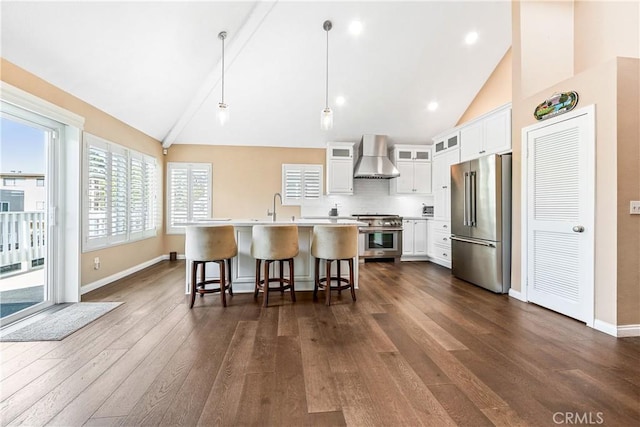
<point>22,241</point>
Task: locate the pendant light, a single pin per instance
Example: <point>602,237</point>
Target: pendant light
<point>223,109</point>
<point>326,116</point>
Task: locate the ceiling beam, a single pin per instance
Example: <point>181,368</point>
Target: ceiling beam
<point>235,45</point>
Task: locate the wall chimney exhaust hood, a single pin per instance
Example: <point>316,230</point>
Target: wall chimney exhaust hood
<point>373,161</point>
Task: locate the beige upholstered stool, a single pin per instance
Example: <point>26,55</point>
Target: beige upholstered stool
<point>271,243</point>
<point>203,244</point>
<point>334,243</point>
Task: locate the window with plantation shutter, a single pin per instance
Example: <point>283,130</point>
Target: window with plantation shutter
<point>120,202</point>
<point>188,194</point>
<point>301,183</point>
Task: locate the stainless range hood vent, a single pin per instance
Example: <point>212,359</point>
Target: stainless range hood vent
<point>373,161</point>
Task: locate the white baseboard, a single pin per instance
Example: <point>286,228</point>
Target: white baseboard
<point>628,331</point>
<point>516,294</point>
<point>117,276</point>
<point>607,328</point>
<point>619,331</point>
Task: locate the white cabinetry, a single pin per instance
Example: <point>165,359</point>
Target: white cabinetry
<point>439,249</point>
<point>446,142</point>
<point>414,164</point>
<point>488,134</point>
<point>414,239</point>
<point>340,168</point>
<point>442,183</point>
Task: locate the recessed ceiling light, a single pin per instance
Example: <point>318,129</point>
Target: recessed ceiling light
<point>471,37</point>
<point>340,100</point>
<point>432,106</point>
<point>355,27</point>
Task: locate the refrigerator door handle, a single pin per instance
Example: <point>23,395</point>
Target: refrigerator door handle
<point>472,201</point>
<point>475,242</point>
<point>464,200</point>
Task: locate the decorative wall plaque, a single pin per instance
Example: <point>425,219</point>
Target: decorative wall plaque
<point>558,103</point>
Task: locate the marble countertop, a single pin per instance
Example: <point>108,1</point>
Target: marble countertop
<point>248,222</point>
<point>417,217</point>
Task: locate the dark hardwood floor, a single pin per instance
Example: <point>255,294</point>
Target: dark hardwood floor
<point>419,347</point>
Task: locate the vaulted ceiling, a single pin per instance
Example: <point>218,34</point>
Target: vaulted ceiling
<point>157,65</point>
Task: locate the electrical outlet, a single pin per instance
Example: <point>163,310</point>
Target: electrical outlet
<point>634,208</point>
<point>96,263</point>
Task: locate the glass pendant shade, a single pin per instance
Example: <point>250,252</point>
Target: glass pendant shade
<point>326,119</point>
<point>223,113</point>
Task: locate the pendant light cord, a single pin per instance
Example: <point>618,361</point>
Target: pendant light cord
<point>326,97</point>
<point>223,69</point>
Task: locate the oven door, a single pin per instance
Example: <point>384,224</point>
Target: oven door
<point>381,243</point>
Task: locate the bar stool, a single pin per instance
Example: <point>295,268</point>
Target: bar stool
<point>334,243</point>
<point>270,243</point>
<point>205,244</point>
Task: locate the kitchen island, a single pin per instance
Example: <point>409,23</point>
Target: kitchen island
<point>243,265</point>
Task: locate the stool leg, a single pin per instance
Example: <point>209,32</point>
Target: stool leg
<point>202,276</point>
<point>194,267</point>
<point>281,267</point>
<point>353,287</point>
<point>339,279</point>
<point>265,288</point>
<point>316,278</point>
<point>327,288</point>
<point>291,280</point>
<point>223,279</point>
<point>229,273</point>
<point>257,287</point>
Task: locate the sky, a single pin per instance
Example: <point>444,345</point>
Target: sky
<point>22,148</point>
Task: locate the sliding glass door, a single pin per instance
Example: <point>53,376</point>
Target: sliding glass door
<point>28,204</point>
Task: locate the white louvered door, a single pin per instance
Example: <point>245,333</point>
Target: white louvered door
<point>560,217</point>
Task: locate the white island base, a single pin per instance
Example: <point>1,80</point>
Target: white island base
<point>243,266</point>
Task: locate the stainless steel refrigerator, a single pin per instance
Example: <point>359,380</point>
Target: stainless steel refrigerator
<point>481,221</point>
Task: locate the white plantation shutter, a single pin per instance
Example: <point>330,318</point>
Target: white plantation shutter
<point>177,195</point>
<point>151,192</point>
<point>200,192</point>
<point>188,194</point>
<point>119,191</point>
<point>136,196</point>
<point>96,198</point>
<point>312,183</point>
<point>292,182</point>
<point>120,201</point>
<point>301,183</point>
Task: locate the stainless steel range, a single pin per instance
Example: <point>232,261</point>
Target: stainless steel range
<point>381,238</point>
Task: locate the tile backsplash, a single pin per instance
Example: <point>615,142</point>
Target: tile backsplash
<point>369,196</point>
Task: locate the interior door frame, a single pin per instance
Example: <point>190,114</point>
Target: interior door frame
<point>590,112</point>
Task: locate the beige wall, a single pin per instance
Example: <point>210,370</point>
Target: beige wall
<point>600,83</point>
<point>122,257</point>
<point>244,179</point>
<point>494,93</point>
<point>604,29</point>
<point>546,39</point>
<point>628,158</point>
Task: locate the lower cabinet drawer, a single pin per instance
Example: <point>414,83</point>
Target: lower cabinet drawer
<point>441,238</point>
<point>442,251</point>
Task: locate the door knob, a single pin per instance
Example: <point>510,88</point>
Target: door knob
<point>578,229</point>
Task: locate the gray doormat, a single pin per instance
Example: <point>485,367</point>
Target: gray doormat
<point>60,324</point>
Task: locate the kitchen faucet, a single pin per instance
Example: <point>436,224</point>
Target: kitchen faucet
<point>273,214</point>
